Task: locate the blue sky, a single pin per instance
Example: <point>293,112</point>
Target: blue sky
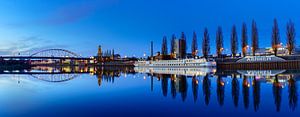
<point>128,26</point>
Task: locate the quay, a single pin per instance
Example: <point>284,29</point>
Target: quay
<point>259,63</point>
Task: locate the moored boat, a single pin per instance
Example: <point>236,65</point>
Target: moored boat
<point>202,62</point>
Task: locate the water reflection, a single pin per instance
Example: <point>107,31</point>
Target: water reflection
<point>206,89</point>
<point>249,81</point>
<point>164,85</point>
<point>277,91</point>
<point>220,90</point>
<point>244,88</point>
<point>183,87</point>
<point>173,86</point>
<point>256,93</point>
<point>293,96</point>
<point>108,74</point>
<point>235,90</point>
<point>195,85</point>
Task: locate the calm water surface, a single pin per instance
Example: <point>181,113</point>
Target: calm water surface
<point>129,93</point>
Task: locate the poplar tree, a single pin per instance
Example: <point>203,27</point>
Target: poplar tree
<point>254,38</point>
<point>219,41</point>
<point>290,36</point>
<point>275,37</point>
<point>244,39</point>
<point>194,45</point>
<point>205,43</point>
<point>234,42</point>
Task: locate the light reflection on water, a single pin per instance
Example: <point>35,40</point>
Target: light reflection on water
<point>90,91</point>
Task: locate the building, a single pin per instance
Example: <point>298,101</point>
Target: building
<point>108,55</point>
<point>281,51</point>
<point>179,49</point>
<point>182,48</point>
<point>176,48</point>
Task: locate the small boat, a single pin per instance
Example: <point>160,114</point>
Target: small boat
<point>202,62</point>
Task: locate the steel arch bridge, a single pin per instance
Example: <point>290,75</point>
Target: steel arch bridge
<point>55,78</point>
<point>55,53</point>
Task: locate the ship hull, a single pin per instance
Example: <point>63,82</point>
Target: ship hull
<point>188,63</point>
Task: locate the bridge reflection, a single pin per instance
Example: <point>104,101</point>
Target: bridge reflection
<point>66,73</point>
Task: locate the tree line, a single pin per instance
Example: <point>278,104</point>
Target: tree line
<point>275,41</point>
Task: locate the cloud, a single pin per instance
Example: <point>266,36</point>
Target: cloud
<point>75,11</point>
<point>28,45</point>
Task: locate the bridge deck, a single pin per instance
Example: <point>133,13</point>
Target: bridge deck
<point>34,57</point>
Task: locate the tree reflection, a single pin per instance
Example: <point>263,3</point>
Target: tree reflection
<point>246,86</point>
<point>183,87</point>
<point>293,96</point>
<point>256,93</point>
<point>151,85</point>
<point>220,90</point>
<point>277,91</point>
<point>235,90</point>
<point>195,88</point>
<point>206,89</point>
<point>164,84</point>
<point>173,86</point>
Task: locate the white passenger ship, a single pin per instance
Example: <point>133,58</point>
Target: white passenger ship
<point>177,71</point>
<point>202,62</point>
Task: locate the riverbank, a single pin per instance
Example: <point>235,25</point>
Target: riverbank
<point>259,63</point>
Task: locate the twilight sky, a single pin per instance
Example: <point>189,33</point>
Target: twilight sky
<point>128,26</point>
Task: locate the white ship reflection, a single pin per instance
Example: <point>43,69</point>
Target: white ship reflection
<point>176,71</point>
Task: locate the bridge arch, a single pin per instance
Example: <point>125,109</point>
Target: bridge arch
<point>55,53</point>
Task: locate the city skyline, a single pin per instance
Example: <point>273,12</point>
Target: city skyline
<point>81,26</point>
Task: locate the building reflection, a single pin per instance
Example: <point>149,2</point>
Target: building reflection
<point>108,74</point>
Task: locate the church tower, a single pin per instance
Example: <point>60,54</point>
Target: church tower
<point>99,54</point>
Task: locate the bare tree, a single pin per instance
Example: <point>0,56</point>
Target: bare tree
<point>219,41</point>
<point>275,37</point>
<point>194,45</point>
<point>290,36</point>
<point>244,39</point>
<point>254,38</point>
<point>205,43</point>
<point>164,47</point>
<point>234,41</point>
